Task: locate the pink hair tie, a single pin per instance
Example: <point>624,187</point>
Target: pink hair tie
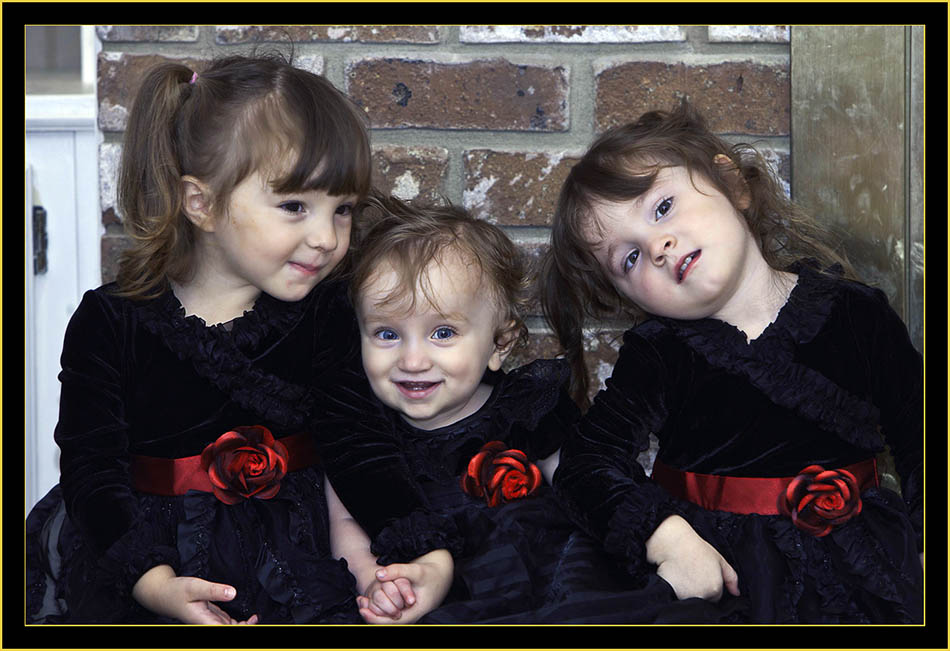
<point>194,78</point>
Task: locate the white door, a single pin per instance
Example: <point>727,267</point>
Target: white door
<point>62,177</point>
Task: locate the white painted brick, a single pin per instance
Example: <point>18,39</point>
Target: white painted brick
<point>147,33</point>
<point>570,34</point>
<point>749,33</point>
<point>109,156</point>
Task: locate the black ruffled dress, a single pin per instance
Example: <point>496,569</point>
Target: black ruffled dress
<point>140,380</point>
<point>523,561</point>
<point>832,380</point>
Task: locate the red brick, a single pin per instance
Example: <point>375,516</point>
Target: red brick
<point>119,77</point>
<point>410,172</point>
<point>514,188</point>
<point>736,97</point>
<point>484,94</point>
<point>540,345</point>
<point>328,33</point>
<point>600,355</point>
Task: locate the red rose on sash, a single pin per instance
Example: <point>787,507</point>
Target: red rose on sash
<point>819,499</point>
<point>500,475</point>
<point>244,463</point>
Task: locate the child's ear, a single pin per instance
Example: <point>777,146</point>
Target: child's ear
<point>740,189</point>
<point>504,342</point>
<point>196,203</point>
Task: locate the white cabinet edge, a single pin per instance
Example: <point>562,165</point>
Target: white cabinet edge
<point>60,112</point>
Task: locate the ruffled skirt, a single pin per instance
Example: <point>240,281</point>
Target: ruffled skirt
<point>866,570</point>
<point>274,552</point>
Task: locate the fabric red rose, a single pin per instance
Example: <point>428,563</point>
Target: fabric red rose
<point>244,463</point>
<point>500,475</point>
<point>818,500</point>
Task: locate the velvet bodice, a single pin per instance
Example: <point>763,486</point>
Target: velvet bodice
<point>830,381</point>
<point>140,377</point>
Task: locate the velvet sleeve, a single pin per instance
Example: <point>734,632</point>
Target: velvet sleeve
<point>603,486</point>
<point>361,453</point>
<point>897,377</point>
<point>93,437</point>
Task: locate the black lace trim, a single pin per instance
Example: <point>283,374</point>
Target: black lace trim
<point>218,352</point>
<point>768,362</point>
<point>521,399</point>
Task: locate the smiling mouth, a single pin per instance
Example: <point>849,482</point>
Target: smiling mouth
<point>686,265</point>
<point>305,268</point>
<point>417,390</point>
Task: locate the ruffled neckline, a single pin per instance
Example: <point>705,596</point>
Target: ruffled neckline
<point>520,398</point>
<point>768,361</point>
<point>223,353</point>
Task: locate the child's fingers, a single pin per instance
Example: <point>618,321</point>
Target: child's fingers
<point>394,594</point>
<point>203,612</point>
<point>410,571</point>
<point>380,601</point>
<point>372,618</point>
<point>405,589</point>
<point>200,590</point>
<point>364,603</point>
<point>729,577</point>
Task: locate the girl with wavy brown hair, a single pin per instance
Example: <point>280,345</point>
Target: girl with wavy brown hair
<point>204,387</point>
<point>770,379</point>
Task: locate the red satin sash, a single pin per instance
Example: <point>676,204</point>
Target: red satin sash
<point>742,494</point>
<point>161,476</point>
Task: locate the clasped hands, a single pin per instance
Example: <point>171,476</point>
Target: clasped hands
<point>401,593</point>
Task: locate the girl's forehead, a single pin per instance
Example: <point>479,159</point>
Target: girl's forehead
<point>443,286</point>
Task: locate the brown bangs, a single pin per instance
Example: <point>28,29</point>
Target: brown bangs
<point>332,150</point>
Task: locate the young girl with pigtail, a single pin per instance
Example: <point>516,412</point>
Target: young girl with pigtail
<point>202,389</point>
<point>771,378</point>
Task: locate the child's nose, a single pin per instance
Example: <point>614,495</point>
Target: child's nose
<point>660,247</point>
<point>322,233</point>
<point>414,358</point>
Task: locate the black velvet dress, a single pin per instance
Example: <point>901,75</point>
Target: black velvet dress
<point>523,561</point>
<point>832,380</point>
<point>140,379</point>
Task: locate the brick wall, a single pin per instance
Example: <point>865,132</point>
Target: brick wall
<point>490,117</point>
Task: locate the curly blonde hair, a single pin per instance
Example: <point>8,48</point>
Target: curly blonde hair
<point>410,237</point>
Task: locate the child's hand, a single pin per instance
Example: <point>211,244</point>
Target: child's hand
<point>388,598</point>
<point>185,598</point>
<point>431,578</point>
<point>688,563</point>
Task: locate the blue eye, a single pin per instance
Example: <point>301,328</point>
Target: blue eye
<point>386,334</point>
<point>443,333</point>
<point>630,260</point>
<point>663,208</point>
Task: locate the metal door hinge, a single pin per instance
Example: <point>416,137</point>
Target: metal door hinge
<point>39,240</point>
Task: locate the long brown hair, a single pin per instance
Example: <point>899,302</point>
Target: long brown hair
<point>621,165</point>
<point>239,115</point>
<point>410,236</point>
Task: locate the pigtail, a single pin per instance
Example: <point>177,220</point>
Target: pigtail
<point>149,188</point>
<point>564,313</point>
